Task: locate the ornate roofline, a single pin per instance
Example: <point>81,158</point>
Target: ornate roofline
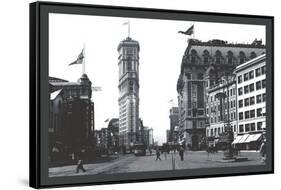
<point>222,43</point>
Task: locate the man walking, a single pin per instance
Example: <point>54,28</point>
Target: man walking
<point>158,155</point>
<point>181,152</point>
<point>80,166</point>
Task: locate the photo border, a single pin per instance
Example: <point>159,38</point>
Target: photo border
<point>39,90</point>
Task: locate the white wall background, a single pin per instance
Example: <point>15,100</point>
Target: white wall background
<point>14,43</point>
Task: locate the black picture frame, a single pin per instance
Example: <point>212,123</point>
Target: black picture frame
<point>39,91</point>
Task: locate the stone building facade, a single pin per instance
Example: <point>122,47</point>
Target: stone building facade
<point>203,64</point>
<point>128,63</point>
<point>71,113</point>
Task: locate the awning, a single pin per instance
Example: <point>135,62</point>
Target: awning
<point>243,139</point>
<point>257,137</point>
<point>54,94</point>
<point>237,139</point>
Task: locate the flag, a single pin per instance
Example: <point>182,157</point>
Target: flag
<point>188,31</point>
<point>79,59</point>
<point>126,23</point>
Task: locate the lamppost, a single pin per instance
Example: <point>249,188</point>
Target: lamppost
<point>228,153</point>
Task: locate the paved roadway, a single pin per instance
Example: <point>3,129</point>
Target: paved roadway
<point>131,163</point>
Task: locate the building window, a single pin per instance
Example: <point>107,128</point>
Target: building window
<point>206,60</point>
<point>129,66</point>
<point>188,75</point>
<point>264,97</point>
<point>252,87</point>
<point>247,127</point>
<point>259,112</point>
<point>240,91</point>
<point>241,128</point>
<point>246,89</point>
<point>193,59</point>
<point>246,102</point>
<point>259,124</point>
<point>253,126</point>
<point>251,74</point>
<point>200,76</point>
<point>258,72</point>
<point>258,85</point>
<point>218,60</point>
<point>263,70</point>
<point>247,114</point>
<point>263,83</point>
<point>252,113</point>
<point>240,79</point>
<point>246,76</point>
<point>241,116</point>
<point>253,55</point>
<point>259,100</point>
<point>252,100</point>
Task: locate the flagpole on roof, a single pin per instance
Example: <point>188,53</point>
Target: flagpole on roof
<point>83,63</point>
<point>193,31</point>
<point>129,28</point>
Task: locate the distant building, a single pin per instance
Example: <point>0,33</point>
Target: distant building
<point>71,123</point>
<point>128,63</point>
<point>217,110</point>
<point>148,136</point>
<point>113,134</point>
<point>251,102</point>
<point>203,64</point>
<point>168,134</point>
<point>174,122</point>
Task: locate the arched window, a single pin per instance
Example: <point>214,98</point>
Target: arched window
<point>206,56</point>
<point>253,55</point>
<point>193,56</point>
<point>229,57</point>
<point>218,57</point>
<point>242,57</point>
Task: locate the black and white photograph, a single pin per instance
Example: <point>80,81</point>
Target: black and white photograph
<point>131,95</point>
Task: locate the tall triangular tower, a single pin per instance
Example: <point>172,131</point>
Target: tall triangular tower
<point>128,63</point>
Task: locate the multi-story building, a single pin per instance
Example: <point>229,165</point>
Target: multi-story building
<point>113,134</point>
<point>221,109</point>
<point>168,134</point>
<point>148,136</point>
<point>71,120</point>
<point>128,63</point>
<point>251,102</point>
<point>174,122</point>
<point>205,61</point>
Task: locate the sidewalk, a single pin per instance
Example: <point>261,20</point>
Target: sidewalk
<point>90,168</point>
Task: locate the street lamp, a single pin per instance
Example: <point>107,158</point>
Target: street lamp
<point>228,153</point>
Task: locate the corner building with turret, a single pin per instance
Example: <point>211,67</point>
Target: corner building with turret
<point>128,63</point>
<point>203,65</point>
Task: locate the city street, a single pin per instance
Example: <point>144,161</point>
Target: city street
<point>131,163</point>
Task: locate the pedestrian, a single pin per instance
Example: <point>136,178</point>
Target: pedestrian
<point>262,151</point>
<point>80,166</point>
<point>181,152</point>
<point>158,155</point>
<point>150,151</point>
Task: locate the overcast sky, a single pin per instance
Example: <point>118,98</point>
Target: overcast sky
<point>161,50</point>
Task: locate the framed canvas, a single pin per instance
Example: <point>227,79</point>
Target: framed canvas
<point>122,94</point>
